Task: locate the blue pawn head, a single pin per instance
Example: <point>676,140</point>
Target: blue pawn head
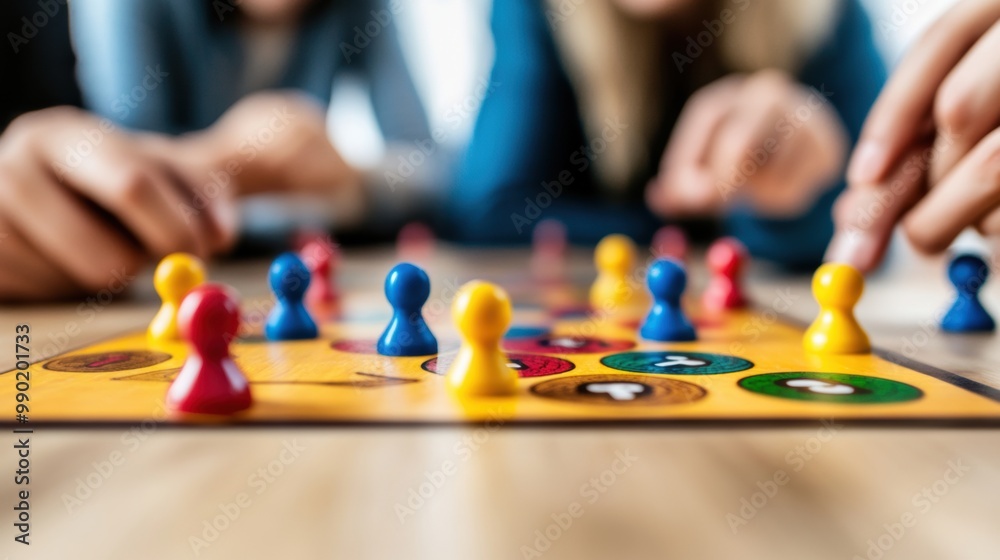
<point>289,277</point>
<point>666,280</point>
<point>407,287</point>
<point>968,273</point>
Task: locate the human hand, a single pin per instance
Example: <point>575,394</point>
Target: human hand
<point>83,205</point>
<point>268,142</point>
<point>763,139</point>
<point>929,154</point>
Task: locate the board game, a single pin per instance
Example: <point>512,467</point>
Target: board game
<point>575,367</point>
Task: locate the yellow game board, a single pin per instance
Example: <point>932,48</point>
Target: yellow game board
<point>574,368</point>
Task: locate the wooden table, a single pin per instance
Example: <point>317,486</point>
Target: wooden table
<point>823,491</point>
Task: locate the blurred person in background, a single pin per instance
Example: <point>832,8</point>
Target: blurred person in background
<point>192,106</point>
<point>619,115</point>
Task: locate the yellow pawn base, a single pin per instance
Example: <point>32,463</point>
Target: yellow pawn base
<point>175,276</point>
<point>482,313</point>
<point>837,289</point>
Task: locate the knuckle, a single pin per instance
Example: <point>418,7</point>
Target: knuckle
<point>922,238</point>
<point>131,186</point>
<point>953,110</point>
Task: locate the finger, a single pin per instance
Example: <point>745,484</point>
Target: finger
<point>966,107</point>
<point>749,125</point>
<point>963,198</point>
<point>692,136</point>
<point>685,184</point>
<point>87,248</point>
<point>865,215</point>
<point>144,199</point>
<point>904,108</point>
<point>990,225</point>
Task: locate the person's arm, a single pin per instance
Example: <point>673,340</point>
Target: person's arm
<point>524,134</point>
<point>124,63</point>
<point>850,72</point>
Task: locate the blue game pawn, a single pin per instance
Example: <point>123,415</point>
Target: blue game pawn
<point>407,288</point>
<point>967,273</point>
<point>666,321</point>
<point>289,320</point>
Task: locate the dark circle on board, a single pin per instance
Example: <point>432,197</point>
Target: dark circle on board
<point>676,362</point>
<point>620,390</point>
<point>100,362</point>
<point>370,346</point>
<point>841,388</point>
<point>526,365</point>
<point>566,345</point>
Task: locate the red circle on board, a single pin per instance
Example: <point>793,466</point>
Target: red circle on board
<point>526,365</point>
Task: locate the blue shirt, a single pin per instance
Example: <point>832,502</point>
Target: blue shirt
<point>177,65</point>
<point>529,129</point>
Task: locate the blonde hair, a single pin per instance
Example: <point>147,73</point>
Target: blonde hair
<point>611,60</point>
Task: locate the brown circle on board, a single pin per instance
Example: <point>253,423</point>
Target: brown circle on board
<point>100,362</point>
<point>628,390</point>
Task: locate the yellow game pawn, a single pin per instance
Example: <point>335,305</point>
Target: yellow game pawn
<point>175,276</point>
<point>482,314</point>
<point>837,288</point>
<point>615,291</point>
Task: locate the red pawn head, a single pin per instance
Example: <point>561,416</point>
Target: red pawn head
<point>209,382</point>
<point>321,257</point>
<point>669,242</point>
<point>725,260</point>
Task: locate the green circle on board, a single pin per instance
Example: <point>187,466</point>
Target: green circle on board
<point>676,362</point>
<point>839,388</point>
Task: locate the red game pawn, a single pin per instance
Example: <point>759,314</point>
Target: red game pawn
<point>321,256</point>
<point>210,382</point>
<point>725,260</point>
<point>548,250</point>
<point>415,242</point>
<point>669,242</point>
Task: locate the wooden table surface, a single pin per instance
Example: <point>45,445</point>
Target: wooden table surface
<point>824,491</point>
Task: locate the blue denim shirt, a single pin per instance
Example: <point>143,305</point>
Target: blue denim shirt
<point>529,127</point>
<point>177,65</point>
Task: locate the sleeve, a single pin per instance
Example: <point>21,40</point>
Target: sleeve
<point>526,124</point>
<point>850,71</point>
<point>400,113</point>
<point>123,56</point>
